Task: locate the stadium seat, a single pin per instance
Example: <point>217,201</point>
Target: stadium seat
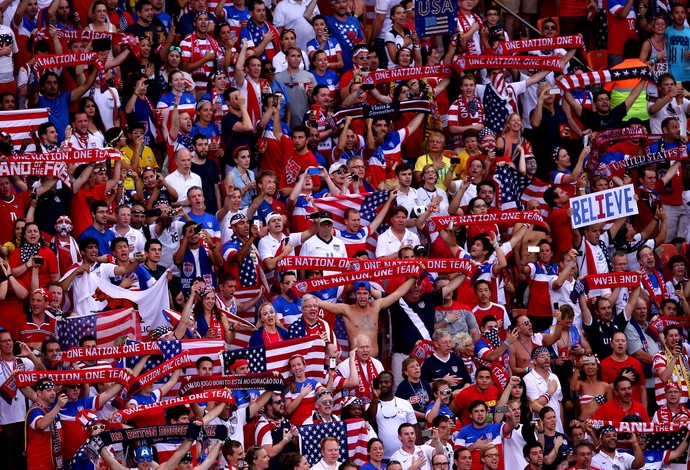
<point>598,59</point>
<point>665,252</point>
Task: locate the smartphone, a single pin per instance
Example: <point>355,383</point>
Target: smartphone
<point>233,35</point>
<point>585,140</point>
<point>332,363</point>
<point>679,83</point>
<point>376,383</point>
<point>16,349</point>
<point>555,305</point>
<point>156,212</point>
<point>426,432</point>
<point>354,176</point>
<point>555,91</point>
<point>533,249</point>
<point>499,152</point>
<point>455,161</point>
<point>258,224</point>
<point>38,260</point>
<point>198,228</point>
<point>53,22</point>
<point>138,256</point>
<point>364,69</point>
<point>314,171</point>
<point>589,360</point>
<point>502,408</point>
<point>534,423</point>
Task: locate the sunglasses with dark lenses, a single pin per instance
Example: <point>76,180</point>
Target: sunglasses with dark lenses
<point>277,402</point>
<point>98,427</point>
<point>549,28</point>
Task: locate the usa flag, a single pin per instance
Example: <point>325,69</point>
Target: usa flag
<point>368,205</point>
<point>105,326</point>
<point>352,431</point>
<point>275,356</point>
<point>515,190</point>
<point>19,124</point>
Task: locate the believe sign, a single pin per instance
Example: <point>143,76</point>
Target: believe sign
<point>435,17</point>
<point>603,206</point>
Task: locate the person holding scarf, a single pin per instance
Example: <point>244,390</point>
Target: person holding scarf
<point>43,429</point>
<point>670,365</point>
<point>360,371</point>
<point>194,260</point>
<point>201,53</point>
<point>652,280</point>
<point>673,411</point>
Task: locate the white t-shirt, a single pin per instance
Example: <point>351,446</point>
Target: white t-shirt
<point>170,239</point>
<point>536,386</point>
<point>388,243</point>
<point>6,65</point>
<point>317,246</point>
<point>135,239</point>
<point>269,246</point>
<point>405,458</point>
<point>16,411</point>
<point>389,416</point>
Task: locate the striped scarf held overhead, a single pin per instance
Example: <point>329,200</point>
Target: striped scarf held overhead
<point>568,82</point>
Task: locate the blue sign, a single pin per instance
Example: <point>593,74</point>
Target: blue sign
<point>435,17</point>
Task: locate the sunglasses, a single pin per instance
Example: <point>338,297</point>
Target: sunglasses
<point>326,402</point>
<point>98,427</point>
<point>139,212</point>
<point>341,171</point>
<point>277,402</point>
<point>73,387</point>
<point>526,322</point>
<point>175,48</point>
<point>549,28</point>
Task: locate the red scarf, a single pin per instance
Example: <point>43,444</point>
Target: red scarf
<point>254,101</point>
<point>465,116</point>
<point>364,389</point>
<point>466,26</point>
<point>666,416</point>
<point>498,371</point>
<point>199,53</point>
<point>647,283</point>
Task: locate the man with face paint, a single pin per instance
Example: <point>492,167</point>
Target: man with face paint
<point>64,245</point>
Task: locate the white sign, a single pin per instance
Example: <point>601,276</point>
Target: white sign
<point>603,206</point>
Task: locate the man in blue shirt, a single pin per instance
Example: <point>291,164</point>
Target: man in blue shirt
<point>97,230</point>
<point>59,103</point>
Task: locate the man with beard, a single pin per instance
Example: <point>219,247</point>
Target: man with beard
<point>483,438</point>
<point>362,317</point>
<point>208,171</point>
<point>527,340</point>
<point>200,52</point>
<point>144,25</point>
<point>138,219</point>
<point>297,157</point>
<point>275,433</point>
<point>609,457</point>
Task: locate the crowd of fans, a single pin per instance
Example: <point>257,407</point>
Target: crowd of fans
<point>230,124</point>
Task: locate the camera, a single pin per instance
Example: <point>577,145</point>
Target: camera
<point>354,176</point>
<point>198,228</point>
<point>157,212</point>
<point>318,215</point>
<point>130,173</point>
<point>502,408</point>
<point>446,392</point>
<point>455,161</point>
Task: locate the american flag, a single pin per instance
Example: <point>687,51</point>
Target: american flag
<point>20,122</point>
<point>352,431</point>
<point>368,205</point>
<point>105,326</point>
<point>568,82</point>
<point>515,189</point>
<point>276,356</point>
<point>495,109</point>
<point>436,25</point>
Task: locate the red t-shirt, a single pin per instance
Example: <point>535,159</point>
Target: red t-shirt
<point>620,29</point>
<point>294,164</point>
<point>80,213</point>
<point>470,394</point>
<point>671,194</point>
<point>559,225</point>
<point>50,266</point>
<point>612,411</point>
<point>610,369</point>
<point>10,211</point>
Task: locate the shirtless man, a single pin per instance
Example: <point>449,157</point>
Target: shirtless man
<point>362,317</point>
<point>521,350</point>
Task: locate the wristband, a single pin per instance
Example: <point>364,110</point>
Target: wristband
<point>507,344</point>
<point>495,244</point>
<point>527,369</point>
<point>446,319</point>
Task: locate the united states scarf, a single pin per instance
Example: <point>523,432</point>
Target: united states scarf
<point>568,82</point>
<point>105,326</point>
<point>19,123</point>
<point>275,356</point>
<point>368,205</point>
<point>352,431</point>
<point>195,348</point>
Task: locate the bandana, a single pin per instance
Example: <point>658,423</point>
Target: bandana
<point>26,252</point>
<point>493,337</point>
<point>537,351</point>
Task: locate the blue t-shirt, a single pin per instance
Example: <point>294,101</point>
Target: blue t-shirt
<point>59,111</point>
<point>677,44</point>
<point>470,434</point>
<point>345,32</point>
<point>330,79</point>
<point>103,239</point>
<point>207,220</point>
<point>442,411</point>
<point>287,308</point>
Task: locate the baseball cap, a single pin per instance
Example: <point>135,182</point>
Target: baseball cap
<point>335,167</point>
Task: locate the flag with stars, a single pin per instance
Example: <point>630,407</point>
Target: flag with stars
<point>495,110</point>
<point>568,82</point>
<point>368,205</point>
<point>105,326</point>
<point>352,431</point>
<point>275,356</point>
<point>515,189</point>
<point>668,441</point>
